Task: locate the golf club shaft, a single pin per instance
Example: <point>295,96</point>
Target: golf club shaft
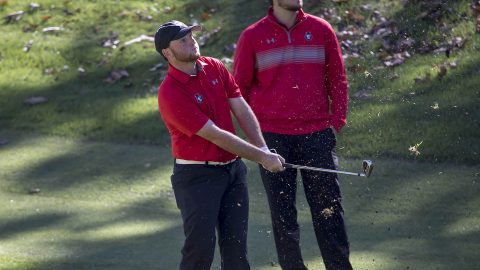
<point>288,165</point>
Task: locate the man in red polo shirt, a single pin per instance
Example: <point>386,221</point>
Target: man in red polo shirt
<point>209,178</point>
<point>290,70</point>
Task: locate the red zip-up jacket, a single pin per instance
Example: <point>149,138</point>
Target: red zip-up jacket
<point>294,79</point>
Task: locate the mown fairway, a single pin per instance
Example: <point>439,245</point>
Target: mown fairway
<point>110,206</point>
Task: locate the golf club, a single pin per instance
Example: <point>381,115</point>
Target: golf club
<point>367,169</point>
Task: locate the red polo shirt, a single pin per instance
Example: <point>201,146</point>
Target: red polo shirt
<point>186,102</point>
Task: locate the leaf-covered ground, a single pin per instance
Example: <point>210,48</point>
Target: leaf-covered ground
<point>92,70</point>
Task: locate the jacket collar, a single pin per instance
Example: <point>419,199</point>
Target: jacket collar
<point>183,77</point>
<point>300,17</point>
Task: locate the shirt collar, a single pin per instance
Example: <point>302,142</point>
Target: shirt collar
<point>182,76</point>
<point>300,16</point>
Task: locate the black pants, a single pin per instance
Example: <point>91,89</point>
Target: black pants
<point>323,195</point>
<point>212,197</point>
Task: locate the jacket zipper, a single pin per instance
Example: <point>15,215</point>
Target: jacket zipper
<point>289,30</point>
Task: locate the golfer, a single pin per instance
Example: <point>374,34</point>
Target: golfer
<point>209,178</point>
<point>290,70</point>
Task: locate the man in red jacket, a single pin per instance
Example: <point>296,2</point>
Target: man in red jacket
<point>289,68</point>
<point>209,178</point>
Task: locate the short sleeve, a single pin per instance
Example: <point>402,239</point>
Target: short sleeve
<point>231,87</point>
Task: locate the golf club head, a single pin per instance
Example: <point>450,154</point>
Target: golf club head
<point>367,167</point>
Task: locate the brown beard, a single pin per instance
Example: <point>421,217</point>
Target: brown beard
<point>292,8</point>
<point>185,58</point>
<point>289,7</point>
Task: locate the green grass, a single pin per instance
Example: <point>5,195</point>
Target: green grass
<point>110,206</point>
<point>99,153</point>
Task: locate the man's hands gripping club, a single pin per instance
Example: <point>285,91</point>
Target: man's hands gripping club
<point>271,160</point>
<point>233,144</point>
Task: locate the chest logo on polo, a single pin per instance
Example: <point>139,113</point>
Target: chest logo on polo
<point>308,36</point>
<point>198,98</point>
<point>215,82</point>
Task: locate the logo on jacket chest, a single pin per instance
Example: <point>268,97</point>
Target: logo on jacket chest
<point>271,40</point>
<point>308,36</point>
<point>198,98</point>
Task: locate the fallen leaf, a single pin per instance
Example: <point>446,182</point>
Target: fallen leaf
<point>67,12</point>
<point>168,9</point>
<point>452,65</point>
<point>230,48</point>
<point>30,27</point>
<point>442,70</point>
<point>32,7</point>
<point>331,15</point>
<point>203,40</point>
<point>364,94</point>
<point>48,71</point>
<point>124,14</point>
<point>102,62</point>
<point>116,75</point>
<point>457,42</point>
<point>139,39</point>
<point>157,67</point>
<point>420,80</point>
<point>426,47</point>
<point>395,60</point>
<point>347,44</point>
<point>14,17</point>
<point>31,101</point>
<point>28,46</point>
<point>478,24</point>
<point>394,76</point>
<point>227,61</point>
<point>52,29</point>
<point>206,16</point>
<point>153,90</point>
<point>143,16</point>
<point>45,18</point>
<point>442,50</point>
<point>435,106</point>
<point>34,191</point>
<point>355,17</point>
<point>476,8</point>
<point>111,42</point>
<point>414,149</point>
<point>356,68</point>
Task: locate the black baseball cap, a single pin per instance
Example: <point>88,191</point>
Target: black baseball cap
<point>172,30</point>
